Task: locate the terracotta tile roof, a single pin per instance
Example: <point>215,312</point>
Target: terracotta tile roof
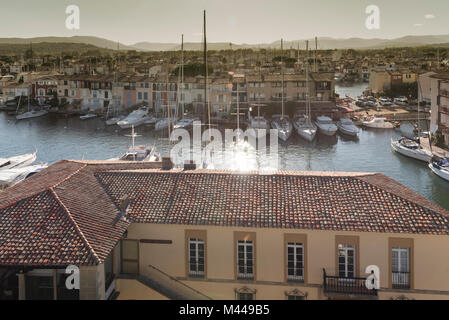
<point>61,216</point>
<point>69,213</point>
<point>300,200</point>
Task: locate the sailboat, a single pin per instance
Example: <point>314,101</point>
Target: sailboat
<point>167,122</point>
<point>412,147</point>
<point>138,153</point>
<point>31,113</point>
<point>304,126</point>
<point>282,122</point>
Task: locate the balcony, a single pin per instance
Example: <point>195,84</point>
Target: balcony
<point>400,280</point>
<point>336,286</point>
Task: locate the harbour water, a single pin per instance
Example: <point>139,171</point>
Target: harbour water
<point>71,138</point>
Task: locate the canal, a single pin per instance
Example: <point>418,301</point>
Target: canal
<point>59,138</point>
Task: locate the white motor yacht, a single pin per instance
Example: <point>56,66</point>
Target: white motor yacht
<point>441,168</point>
<point>185,123</point>
<point>378,123</point>
<point>88,116</point>
<point>11,177</point>
<point>163,123</point>
<point>135,118</point>
<point>17,161</point>
<point>346,126</point>
<point>326,125</point>
<point>412,149</point>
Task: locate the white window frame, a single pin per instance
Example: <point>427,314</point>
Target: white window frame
<point>295,246</point>
<point>400,265</point>
<point>245,244</point>
<point>347,249</point>
<point>196,242</point>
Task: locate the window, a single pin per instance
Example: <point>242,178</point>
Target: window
<point>140,95</point>
<point>245,296</point>
<point>145,95</point>
<point>346,261</point>
<point>295,261</point>
<point>245,293</point>
<point>245,259</point>
<point>130,256</point>
<point>196,257</point>
<point>106,94</point>
<point>400,277</point>
<point>296,294</point>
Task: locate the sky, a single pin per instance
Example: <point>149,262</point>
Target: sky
<point>237,21</point>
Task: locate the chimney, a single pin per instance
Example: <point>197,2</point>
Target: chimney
<point>167,164</point>
<point>124,204</point>
<point>189,165</point>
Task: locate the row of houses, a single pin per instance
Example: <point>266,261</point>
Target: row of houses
<point>98,92</point>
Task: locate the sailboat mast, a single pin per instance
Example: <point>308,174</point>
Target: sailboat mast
<point>282,71</point>
<point>316,52</point>
<point>205,64</point>
<point>307,80</point>
<point>182,75</point>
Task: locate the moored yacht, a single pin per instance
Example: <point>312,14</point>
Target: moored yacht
<point>88,116</point>
<point>305,128</point>
<point>283,125</point>
<point>441,168</point>
<point>411,148</point>
<point>163,123</point>
<point>36,112</point>
<point>185,123</point>
<point>326,125</point>
<point>378,123</point>
<point>10,177</point>
<point>346,126</point>
<point>17,161</point>
<point>135,118</point>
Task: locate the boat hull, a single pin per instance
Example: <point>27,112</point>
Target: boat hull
<point>30,115</point>
<point>395,146</point>
<point>128,125</point>
<point>439,172</point>
<point>343,130</point>
<point>308,135</point>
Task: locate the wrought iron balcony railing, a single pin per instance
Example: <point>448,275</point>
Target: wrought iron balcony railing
<point>400,280</point>
<point>346,286</point>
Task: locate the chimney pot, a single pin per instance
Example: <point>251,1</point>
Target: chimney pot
<point>167,164</point>
<point>189,165</point>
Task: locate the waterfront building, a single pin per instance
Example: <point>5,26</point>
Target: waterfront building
<point>148,231</point>
<point>44,88</point>
<point>440,105</point>
<point>383,79</point>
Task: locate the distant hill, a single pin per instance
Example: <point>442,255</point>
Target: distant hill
<point>94,41</point>
<point>324,43</point>
<point>46,47</point>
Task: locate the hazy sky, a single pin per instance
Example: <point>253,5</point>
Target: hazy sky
<point>239,21</point>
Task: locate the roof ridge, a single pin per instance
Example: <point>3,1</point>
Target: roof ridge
<point>69,176</point>
<point>78,229</point>
<point>416,198</point>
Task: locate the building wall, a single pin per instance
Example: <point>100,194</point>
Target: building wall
<point>429,267</point>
